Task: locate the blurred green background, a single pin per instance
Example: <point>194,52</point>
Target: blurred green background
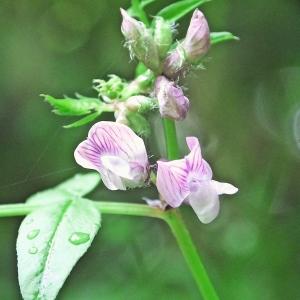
<point>245,110</point>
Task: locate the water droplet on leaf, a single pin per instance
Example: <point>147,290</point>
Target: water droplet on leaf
<point>33,234</point>
<point>33,250</point>
<point>78,238</point>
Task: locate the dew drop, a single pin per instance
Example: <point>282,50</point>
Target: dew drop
<point>33,234</point>
<point>78,238</point>
<point>33,250</point>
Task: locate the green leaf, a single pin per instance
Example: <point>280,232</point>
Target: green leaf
<point>179,9</point>
<point>74,107</point>
<point>80,184</point>
<point>77,186</point>
<point>136,10</point>
<point>50,242</point>
<point>85,120</point>
<point>145,3</point>
<point>219,37</point>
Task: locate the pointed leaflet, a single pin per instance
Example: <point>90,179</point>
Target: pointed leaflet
<point>74,107</point>
<point>219,37</point>
<point>79,185</point>
<point>145,3</point>
<point>50,242</point>
<point>179,9</point>
<point>85,120</point>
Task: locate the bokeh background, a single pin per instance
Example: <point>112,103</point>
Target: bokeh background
<point>245,110</point>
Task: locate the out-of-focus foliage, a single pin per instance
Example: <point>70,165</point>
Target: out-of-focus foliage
<point>244,108</point>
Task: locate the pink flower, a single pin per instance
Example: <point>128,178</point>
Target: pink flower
<point>172,102</point>
<point>117,153</point>
<point>190,180</point>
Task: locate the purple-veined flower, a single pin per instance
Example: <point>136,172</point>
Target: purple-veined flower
<point>117,153</point>
<point>171,100</point>
<point>189,180</point>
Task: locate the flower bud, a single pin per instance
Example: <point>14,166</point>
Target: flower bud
<point>172,102</point>
<point>175,63</point>
<point>140,41</point>
<point>191,49</point>
<point>163,35</point>
<point>197,40</point>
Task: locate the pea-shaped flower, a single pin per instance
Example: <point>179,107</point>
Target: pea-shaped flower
<point>189,180</point>
<point>117,153</point>
<point>171,100</point>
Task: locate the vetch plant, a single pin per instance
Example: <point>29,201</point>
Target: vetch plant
<point>61,222</point>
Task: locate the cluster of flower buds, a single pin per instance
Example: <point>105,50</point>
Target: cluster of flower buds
<point>153,49</point>
<point>156,52</point>
<point>120,157</point>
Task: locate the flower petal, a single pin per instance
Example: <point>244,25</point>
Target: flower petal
<point>224,188</point>
<point>118,139</point>
<point>195,162</point>
<point>111,180</point>
<point>116,165</point>
<point>87,155</point>
<point>192,142</point>
<point>205,202</point>
<point>171,181</point>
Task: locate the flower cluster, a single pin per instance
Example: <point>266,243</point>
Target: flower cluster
<point>119,154</point>
<point>153,48</point>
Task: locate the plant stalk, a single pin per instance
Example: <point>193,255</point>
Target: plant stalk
<point>179,229</point>
<point>189,251</point>
<point>115,208</point>
<point>171,139</point>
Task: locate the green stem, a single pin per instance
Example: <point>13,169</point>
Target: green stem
<point>188,249</point>
<point>171,139</point>
<point>117,208</point>
<point>179,229</point>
